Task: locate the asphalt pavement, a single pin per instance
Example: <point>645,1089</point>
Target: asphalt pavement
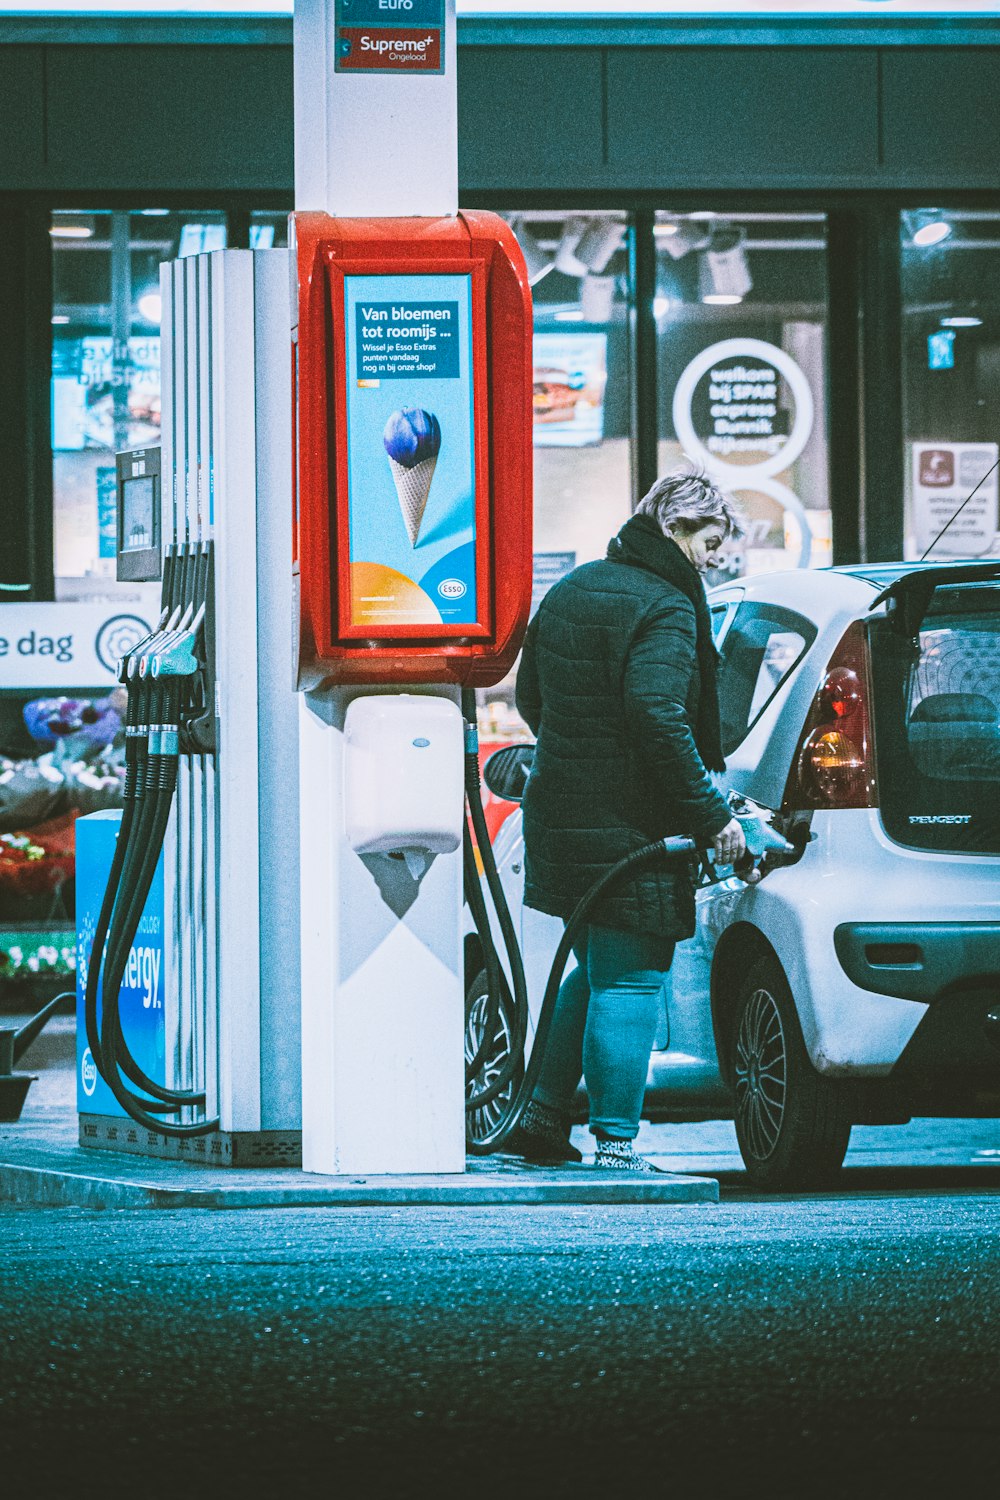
<point>843,1343</point>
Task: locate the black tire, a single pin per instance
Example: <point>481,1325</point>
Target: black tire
<point>479,1122</point>
<point>791,1123</point>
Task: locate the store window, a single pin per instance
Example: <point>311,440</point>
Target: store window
<point>268,230</point>
<point>741,310</point>
<point>951,381</point>
<point>106,370</point>
<point>61,734</point>
<point>578,268</point>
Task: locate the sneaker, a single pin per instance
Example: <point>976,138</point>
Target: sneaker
<point>542,1136</point>
<point>621,1156</point>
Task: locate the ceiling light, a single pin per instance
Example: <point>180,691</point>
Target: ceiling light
<point>723,273</point>
<point>598,243</point>
<point>60,318</point>
<point>538,262</point>
<point>71,231</point>
<point>566,259</point>
<point>686,236</point>
<point>597,298</point>
<point>150,306</point>
<point>154,213</point>
<point>925,226</point>
<point>569,315</point>
<point>962,322</point>
<point>661,306</point>
<point>664,231</point>
<point>932,233</point>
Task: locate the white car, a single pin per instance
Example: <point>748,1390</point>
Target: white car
<point>859,981</point>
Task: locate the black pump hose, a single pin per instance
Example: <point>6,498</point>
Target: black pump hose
<point>144,824</point>
<point>124,854</point>
<point>143,840</point>
<point>669,851</point>
<point>520,1018</point>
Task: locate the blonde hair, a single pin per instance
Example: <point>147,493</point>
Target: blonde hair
<point>686,500</point>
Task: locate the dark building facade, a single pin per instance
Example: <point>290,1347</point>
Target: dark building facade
<point>826,190</point>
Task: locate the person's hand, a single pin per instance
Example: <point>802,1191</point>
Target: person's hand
<point>729,844</point>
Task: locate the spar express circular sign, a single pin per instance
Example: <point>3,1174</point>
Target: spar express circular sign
<point>743,407</point>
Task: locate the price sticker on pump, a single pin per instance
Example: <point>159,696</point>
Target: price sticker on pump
<point>389,36</point>
<point>411,462</point>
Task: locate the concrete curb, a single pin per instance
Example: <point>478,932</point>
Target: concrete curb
<point>55,1186</point>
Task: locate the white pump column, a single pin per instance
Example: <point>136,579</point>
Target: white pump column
<point>382,973</point>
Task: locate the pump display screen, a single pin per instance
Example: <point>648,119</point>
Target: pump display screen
<point>410,452</point>
<point>139,557</point>
<point>138,499</point>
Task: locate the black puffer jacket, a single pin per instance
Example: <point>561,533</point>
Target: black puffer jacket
<point>618,686</point>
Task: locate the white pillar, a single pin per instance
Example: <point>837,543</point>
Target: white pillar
<point>367,144</point>
<point>382,970</point>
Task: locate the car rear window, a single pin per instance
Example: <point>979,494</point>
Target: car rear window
<point>937,725</point>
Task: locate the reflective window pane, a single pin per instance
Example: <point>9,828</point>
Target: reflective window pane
<point>106,369</point>
<point>951,381</point>
<point>578,267</point>
<point>741,310</point>
<point>268,230</point>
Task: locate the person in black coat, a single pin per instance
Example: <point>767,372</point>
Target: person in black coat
<point>618,684</point>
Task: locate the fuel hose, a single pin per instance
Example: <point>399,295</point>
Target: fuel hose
<point>665,851</point>
<point>152,751</point>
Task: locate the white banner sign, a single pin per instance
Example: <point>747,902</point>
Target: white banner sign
<point>66,645</point>
<point>945,475</point>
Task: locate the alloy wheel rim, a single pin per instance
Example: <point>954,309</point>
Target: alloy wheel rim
<point>761,1074</point>
<point>480,1122</point>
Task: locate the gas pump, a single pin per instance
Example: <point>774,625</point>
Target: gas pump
<point>196,887</point>
<point>412,576</point>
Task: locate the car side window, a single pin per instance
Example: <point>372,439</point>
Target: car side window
<point>719,612</point>
<point>763,644</point>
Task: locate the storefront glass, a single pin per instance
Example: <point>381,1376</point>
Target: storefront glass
<point>61,733</point>
<point>106,370</point>
<point>741,309</point>
<point>268,230</point>
<point>951,381</point>
<point>578,268</point>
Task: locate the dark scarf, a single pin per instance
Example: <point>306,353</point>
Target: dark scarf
<point>642,544</point>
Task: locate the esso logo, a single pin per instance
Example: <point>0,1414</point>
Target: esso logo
<point>88,1073</point>
<point>452,588</point>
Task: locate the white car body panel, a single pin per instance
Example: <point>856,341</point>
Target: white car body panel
<point>850,871</point>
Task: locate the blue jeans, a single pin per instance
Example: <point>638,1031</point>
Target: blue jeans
<point>604,1027</point>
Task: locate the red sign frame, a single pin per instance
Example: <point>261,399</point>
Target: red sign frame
<point>481,245</point>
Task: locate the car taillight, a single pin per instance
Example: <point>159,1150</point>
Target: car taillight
<point>833,764</point>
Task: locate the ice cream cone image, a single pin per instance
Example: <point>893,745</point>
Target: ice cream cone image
<point>412,487</point>
<point>412,441</point>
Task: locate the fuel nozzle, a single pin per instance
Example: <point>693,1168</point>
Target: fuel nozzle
<point>762,839</point>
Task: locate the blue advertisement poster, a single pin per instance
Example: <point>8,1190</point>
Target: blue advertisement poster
<point>141,1002</point>
<point>410,451</point>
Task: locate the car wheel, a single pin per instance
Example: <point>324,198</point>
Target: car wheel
<point>791,1123</point>
<point>479,1122</point>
